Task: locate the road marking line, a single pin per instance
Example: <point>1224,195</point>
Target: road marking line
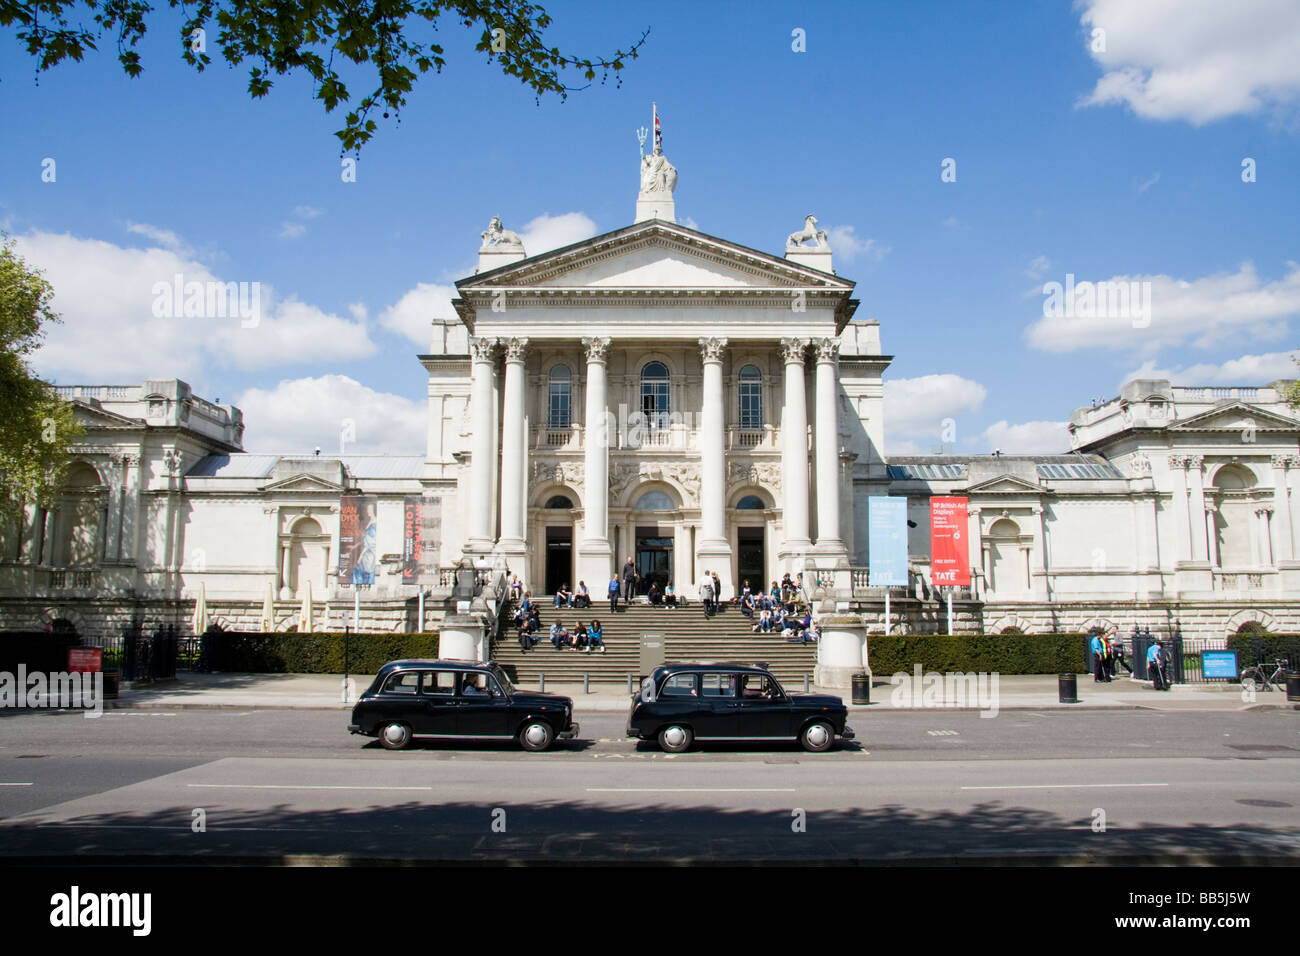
<point>690,789</point>
<point>15,784</point>
<point>1065,786</point>
<point>290,786</point>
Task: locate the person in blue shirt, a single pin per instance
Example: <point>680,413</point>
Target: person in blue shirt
<point>1156,666</point>
<point>595,637</point>
<point>613,593</point>
<point>1098,646</point>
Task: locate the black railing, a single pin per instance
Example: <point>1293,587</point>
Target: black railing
<point>138,656</point>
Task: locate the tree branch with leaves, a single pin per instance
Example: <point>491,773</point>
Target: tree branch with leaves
<point>292,36</point>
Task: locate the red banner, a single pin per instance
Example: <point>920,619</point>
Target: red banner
<point>84,660</point>
<point>949,550</point>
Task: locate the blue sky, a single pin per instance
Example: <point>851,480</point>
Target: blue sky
<point>1122,163</point>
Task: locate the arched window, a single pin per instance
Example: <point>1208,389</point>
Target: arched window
<point>561,502</point>
<point>655,403</point>
<point>750,503</point>
<point>1234,516</point>
<point>80,515</point>
<point>560,408</point>
<point>306,555</point>
<point>751,398</point>
<point>654,501</point>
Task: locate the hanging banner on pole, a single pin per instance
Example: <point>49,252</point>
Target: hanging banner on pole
<point>886,541</point>
<point>358,539</point>
<point>949,549</point>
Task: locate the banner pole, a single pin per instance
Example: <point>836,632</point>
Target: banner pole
<point>949,610</point>
<point>886,610</point>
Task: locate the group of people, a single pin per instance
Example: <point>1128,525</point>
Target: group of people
<point>584,638</point>
<point>581,598</point>
<point>1108,656</point>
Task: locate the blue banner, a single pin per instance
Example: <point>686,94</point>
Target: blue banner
<point>1219,664</point>
<point>886,541</point>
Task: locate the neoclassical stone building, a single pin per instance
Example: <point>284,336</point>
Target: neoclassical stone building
<point>660,393</point>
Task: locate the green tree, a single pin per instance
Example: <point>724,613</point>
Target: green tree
<point>36,425</point>
<point>387,37</point>
<point>1292,391</point>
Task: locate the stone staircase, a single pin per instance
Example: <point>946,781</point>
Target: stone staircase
<point>687,636</point>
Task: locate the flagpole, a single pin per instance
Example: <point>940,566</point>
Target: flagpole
<point>654,126</point>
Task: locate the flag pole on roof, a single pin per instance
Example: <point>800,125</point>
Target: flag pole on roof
<point>659,136</point>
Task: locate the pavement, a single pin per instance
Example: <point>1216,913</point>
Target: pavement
<point>1013,692</point>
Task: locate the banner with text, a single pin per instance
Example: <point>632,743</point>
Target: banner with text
<point>358,539</point>
<point>886,541</point>
<point>421,539</point>
<point>949,553</point>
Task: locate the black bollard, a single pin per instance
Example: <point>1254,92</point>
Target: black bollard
<point>1293,685</point>
<point>1067,688</point>
<point>541,682</point>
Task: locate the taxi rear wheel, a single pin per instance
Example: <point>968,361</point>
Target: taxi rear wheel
<point>536,735</point>
<point>394,736</point>
<point>675,738</point>
<point>817,737</point>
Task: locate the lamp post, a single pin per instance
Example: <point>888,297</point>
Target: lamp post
<point>347,619</point>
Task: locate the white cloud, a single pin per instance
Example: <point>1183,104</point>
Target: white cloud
<point>846,245</point>
<point>358,311</point>
<point>1028,438</point>
<point>1148,183</point>
<point>548,232</point>
<point>292,230</point>
<point>1201,312</point>
<point>690,223</point>
<point>163,237</point>
<point>298,415</point>
<point>413,314</point>
<point>1245,370</point>
<point>952,222</point>
<point>109,332</point>
<point>915,409</point>
<point>1195,60</point>
<point>307,212</point>
<point>1038,267</point>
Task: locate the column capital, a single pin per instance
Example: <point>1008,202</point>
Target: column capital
<point>597,349</point>
<point>827,350</point>
<point>1285,461</point>
<point>1264,510</point>
<point>515,349</point>
<point>711,349</point>
<point>792,350</point>
<point>1178,461</point>
<point>482,350</point>
<point>1211,506</point>
<point>1195,461</point>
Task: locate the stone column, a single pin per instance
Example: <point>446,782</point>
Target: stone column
<point>1211,531</point>
<point>1178,474</point>
<point>596,559</point>
<point>1265,537</point>
<point>512,450</point>
<point>1282,502</point>
<point>974,548</point>
<point>828,455</point>
<point>713,550</point>
<point>794,459</point>
<point>483,354</point>
<point>1197,507</point>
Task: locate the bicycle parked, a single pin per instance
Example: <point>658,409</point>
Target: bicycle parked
<point>1261,677</point>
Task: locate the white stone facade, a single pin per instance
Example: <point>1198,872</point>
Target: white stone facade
<point>696,404</point>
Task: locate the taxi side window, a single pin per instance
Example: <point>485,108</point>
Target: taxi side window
<point>405,682</point>
<point>756,686</point>
<point>440,683</point>
<point>719,685</point>
<point>679,685</point>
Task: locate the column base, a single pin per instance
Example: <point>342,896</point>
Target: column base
<point>595,564</point>
<point>461,637</point>
<point>715,556</point>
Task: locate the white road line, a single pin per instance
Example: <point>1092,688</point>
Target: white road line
<point>15,784</point>
<point>1065,786</point>
<point>690,789</point>
<point>289,786</point>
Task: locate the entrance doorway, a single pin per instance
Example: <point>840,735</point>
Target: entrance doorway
<point>559,558</point>
<point>751,560</point>
<point>654,556</point>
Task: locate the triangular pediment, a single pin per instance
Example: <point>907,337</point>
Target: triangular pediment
<point>87,414</point>
<point>1235,416</point>
<point>303,483</point>
<point>1005,484</point>
<point>653,256</point>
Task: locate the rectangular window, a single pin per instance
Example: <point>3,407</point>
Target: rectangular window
<point>404,683</point>
<point>719,685</point>
<point>679,685</point>
<point>560,404</point>
<point>751,406</point>
<point>439,683</point>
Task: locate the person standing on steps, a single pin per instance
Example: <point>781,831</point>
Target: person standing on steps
<point>706,594</point>
<point>629,581</point>
<point>613,593</point>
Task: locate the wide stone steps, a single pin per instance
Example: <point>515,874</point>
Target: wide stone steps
<point>687,636</point>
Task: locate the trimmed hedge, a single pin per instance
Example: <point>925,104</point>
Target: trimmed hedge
<point>1271,647</point>
<point>988,653</point>
<point>315,653</point>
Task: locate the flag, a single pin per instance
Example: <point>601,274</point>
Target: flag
<point>659,133</point>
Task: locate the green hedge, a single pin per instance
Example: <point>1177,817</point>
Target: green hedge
<point>1001,653</point>
<point>1272,647</point>
<point>315,653</point>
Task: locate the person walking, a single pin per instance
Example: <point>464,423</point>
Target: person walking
<point>1098,647</point>
<point>613,593</point>
<point>717,592</point>
<point>706,594</point>
<point>1156,666</point>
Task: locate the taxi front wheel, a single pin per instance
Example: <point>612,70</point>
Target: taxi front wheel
<point>536,736</point>
<point>675,739</point>
<point>817,737</point>
<point>394,736</point>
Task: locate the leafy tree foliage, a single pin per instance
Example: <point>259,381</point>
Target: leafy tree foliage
<point>35,425</point>
<point>288,36</point>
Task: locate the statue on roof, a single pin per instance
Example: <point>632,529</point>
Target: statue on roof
<point>498,235</point>
<point>657,174</point>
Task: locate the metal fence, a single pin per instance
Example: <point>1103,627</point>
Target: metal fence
<point>139,656</point>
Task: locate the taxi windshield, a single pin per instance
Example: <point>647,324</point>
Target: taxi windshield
<point>500,675</point>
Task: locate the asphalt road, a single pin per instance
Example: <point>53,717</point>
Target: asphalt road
<point>914,787</point>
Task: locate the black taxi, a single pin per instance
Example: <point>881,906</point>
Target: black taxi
<point>422,698</point>
<point>681,703</point>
